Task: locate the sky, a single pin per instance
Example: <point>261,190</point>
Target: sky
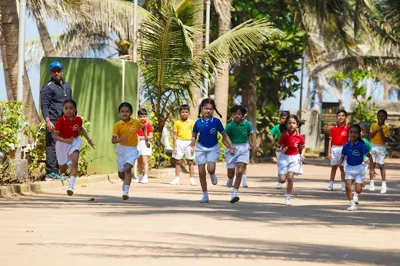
<point>54,28</point>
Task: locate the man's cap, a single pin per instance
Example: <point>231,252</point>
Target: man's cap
<point>55,64</point>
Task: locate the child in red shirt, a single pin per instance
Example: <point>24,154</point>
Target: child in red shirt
<point>144,151</point>
<point>289,163</point>
<point>337,138</point>
<point>68,145</point>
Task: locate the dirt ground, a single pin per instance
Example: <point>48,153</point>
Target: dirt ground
<point>163,224</point>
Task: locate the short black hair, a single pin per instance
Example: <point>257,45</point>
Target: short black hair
<point>71,102</point>
<point>142,111</point>
<point>184,107</point>
<point>342,111</point>
<point>382,112</point>
<point>285,113</point>
<point>125,104</point>
<point>236,108</point>
<point>358,127</point>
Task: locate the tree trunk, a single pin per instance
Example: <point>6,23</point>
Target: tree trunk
<point>386,89</point>
<point>9,25</point>
<point>222,77</point>
<point>10,95</point>
<point>45,38</point>
<point>198,47</point>
<point>252,104</point>
<point>308,95</point>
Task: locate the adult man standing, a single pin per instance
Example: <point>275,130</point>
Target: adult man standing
<point>52,97</point>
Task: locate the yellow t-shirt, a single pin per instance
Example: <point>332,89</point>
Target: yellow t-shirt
<point>122,129</point>
<point>184,129</point>
<point>377,139</point>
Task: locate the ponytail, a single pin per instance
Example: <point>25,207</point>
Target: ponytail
<point>208,101</point>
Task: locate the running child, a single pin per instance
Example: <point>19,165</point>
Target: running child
<point>125,133</point>
<point>144,150</point>
<point>290,161</point>
<point>275,134</point>
<point>378,133</point>
<point>337,138</point>
<point>354,151</point>
<point>68,145</point>
<point>183,129</point>
<point>207,150</point>
<point>239,131</point>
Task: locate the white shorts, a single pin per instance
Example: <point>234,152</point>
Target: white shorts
<point>204,155</point>
<point>183,149</point>
<point>241,155</point>
<point>64,150</point>
<point>126,154</point>
<point>378,153</point>
<point>336,154</point>
<point>277,153</point>
<point>289,163</point>
<point>143,150</point>
<point>356,173</point>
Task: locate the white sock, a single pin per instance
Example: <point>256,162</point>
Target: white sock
<point>288,196</point>
<point>126,188</point>
<point>192,177</point>
<point>213,176</point>
<point>244,179</point>
<point>72,180</point>
<point>234,192</point>
<point>384,183</point>
<point>145,177</point>
<point>205,194</point>
<point>177,178</point>
<point>331,183</point>
<point>343,184</point>
<point>355,194</point>
<point>352,202</point>
<point>69,164</point>
<point>371,182</point>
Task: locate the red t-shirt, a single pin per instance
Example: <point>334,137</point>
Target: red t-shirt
<point>339,135</point>
<point>68,128</point>
<point>292,141</point>
<point>149,128</point>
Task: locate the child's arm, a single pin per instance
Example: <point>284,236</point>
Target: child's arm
<point>175,137</point>
<point>329,148</point>
<point>251,141</point>
<point>56,136</point>
<point>303,152</point>
<point>84,133</point>
<point>373,133</point>
<point>227,142</point>
<point>146,137</point>
<point>115,139</point>
<point>371,164</point>
<point>341,161</point>
<point>193,141</point>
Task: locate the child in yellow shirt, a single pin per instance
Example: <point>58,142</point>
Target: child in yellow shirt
<point>378,133</point>
<point>182,136</point>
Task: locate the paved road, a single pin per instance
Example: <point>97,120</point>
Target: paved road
<point>165,225</point>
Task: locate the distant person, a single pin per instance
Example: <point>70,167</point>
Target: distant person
<point>338,137</point>
<point>275,134</point>
<point>378,134</point>
<point>125,133</point>
<point>52,97</point>
<point>183,129</point>
<point>354,151</point>
<point>145,151</point>
<point>69,143</point>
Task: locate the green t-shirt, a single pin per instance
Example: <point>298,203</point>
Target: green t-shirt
<point>368,144</point>
<point>238,133</point>
<point>275,132</point>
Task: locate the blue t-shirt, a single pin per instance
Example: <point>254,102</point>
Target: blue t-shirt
<point>208,130</point>
<point>251,126</point>
<point>355,153</point>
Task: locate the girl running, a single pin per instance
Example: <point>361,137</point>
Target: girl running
<point>68,145</point>
<point>240,131</point>
<point>289,162</point>
<point>125,133</point>
<point>275,134</point>
<point>207,150</point>
<point>355,150</point>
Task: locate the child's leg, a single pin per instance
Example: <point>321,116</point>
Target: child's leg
<point>145,160</point>
<point>178,165</point>
<point>128,175</point>
<point>231,173</point>
<point>63,168</point>
<point>241,169</point>
<point>383,172</point>
<point>290,177</point>
<point>342,174</point>
<point>191,167</point>
<point>358,188</point>
<point>349,193</point>
<point>74,157</point>
<point>333,172</point>
<point>202,177</point>
<point>140,165</point>
<point>121,175</point>
<point>211,168</point>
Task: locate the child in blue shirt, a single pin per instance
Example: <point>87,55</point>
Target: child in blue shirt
<point>207,150</point>
<point>354,151</point>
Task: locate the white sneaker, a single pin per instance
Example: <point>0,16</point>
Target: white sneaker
<point>352,208</point>
<point>383,189</point>
<point>174,182</point>
<point>279,186</point>
<point>371,186</point>
<point>125,195</point>
<point>355,198</point>
<point>145,180</point>
<point>214,179</point>
<point>287,202</point>
<point>245,185</point>
<point>193,182</point>
<point>204,200</point>
<point>343,187</point>
<point>138,179</point>
<point>330,188</point>
<point>229,182</point>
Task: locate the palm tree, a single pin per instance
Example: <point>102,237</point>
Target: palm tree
<point>168,61</point>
